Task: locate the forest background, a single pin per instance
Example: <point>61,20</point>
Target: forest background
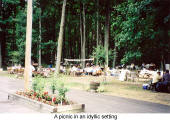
<point>112,31</point>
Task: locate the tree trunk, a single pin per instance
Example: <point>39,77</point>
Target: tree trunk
<point>64,48</point>
<point>28,71</point>
<point>115,57</point>
<point>60,38</point>
<point>106,42</point>
<point>163,63</point>
<point>100,34</point>
<point>0,36</point>
<point>0,55</point>
<point>39,57</point>
<point>81,35</point>
<point>70,46</point>
<point>84,37</point>
<point>97,31</point>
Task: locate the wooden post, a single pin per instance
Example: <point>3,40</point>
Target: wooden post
<point>28,71</point>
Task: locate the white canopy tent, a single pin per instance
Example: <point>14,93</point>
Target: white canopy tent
<point>78,60</point>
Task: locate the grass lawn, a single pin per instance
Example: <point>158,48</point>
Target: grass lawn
<point>5,73</point>
<point>112,86</point>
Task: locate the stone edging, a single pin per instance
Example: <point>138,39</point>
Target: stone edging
<point>42,107</point>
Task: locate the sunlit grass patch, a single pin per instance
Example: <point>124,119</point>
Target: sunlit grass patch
<point>5,73</point>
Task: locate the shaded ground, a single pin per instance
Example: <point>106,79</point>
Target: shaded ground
<point>94,102</point>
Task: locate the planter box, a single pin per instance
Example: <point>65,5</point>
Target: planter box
<point>42,107</point>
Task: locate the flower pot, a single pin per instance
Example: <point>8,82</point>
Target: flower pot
<point>94,85</point>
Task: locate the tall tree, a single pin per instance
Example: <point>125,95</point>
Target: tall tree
<point>39,55</point>
<point>84,36</point>
<point>60,38</point>
<point>114,55</point>
<point>81,33</point>
<point>28,70</point>
<point>139,30</point>
<point>0,55</point>
<point>97,29</point>
<point>107,28</point>
<point>0,33</point>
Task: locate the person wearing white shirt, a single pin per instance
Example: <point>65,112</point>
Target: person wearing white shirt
<point>123,75</point>
<point>156,77</point>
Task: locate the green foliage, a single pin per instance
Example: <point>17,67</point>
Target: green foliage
<point>131,57</point>
<point>101,89</point>
<point>61,88</point>
<point>57,83</point>
<point>139,29</point>
<point>11,1</point>
<point>53,83</point>
<point>135,31</point>
<point>38,84</point>
<point>48,98</point>
<point>62,92</point>
<point>15,57</point>
<point>99,54</point>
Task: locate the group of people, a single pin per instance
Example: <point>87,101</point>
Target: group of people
<point>88,70</point>
<point>161,83</point>
<point>15,69</point>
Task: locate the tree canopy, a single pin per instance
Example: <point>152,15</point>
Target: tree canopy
<point>138,30</point>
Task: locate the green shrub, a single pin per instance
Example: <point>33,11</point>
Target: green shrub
<point>38,84</point>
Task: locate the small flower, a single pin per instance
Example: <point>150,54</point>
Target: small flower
<point>39,99</point>
<point>35,94</point>
<point>54,99</point>
<point>45,93</point>
<point>46,97</point>
<point>44,101</point>
<point>49,102</point>
<point>17,92</point>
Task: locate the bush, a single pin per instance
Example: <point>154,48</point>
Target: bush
<point>100,55</point>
